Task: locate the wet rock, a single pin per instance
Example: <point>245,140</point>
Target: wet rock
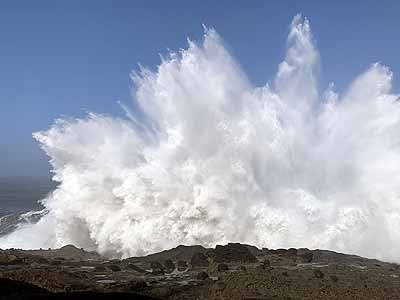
<point>199,260</point>
<point>232,253</point>
<point>222,267</point>
<point>202,275</point>
<point>157,268</point>
<point>318,274</point>
<point>135,268</point>
<point>100,268</point>
<point>114,268</point>
<point>137,285</point>
<point>182,265</point>
<point>169,265</point>
<point>286,281</point>
<point>115,261</point>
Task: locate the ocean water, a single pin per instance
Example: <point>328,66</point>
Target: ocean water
<point>21,194</point>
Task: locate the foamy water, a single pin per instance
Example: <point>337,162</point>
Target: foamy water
<point>213,159</point>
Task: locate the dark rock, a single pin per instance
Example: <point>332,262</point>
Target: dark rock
<point>222,267</point>
<point>255,281</point>
<point>279,252</point>
<point>202,275</point>
<point>135,268</point>
<point>36,259</point>
<point>182,265</point>
<point>266,263</point>
<point>12,288</point>
<point>114,268</point>
<point>318,274</point>
<point>260,267</point>
<point>69,252</point>
<point>199,260</point>
<point>334,278</point>
<point>100,268</point>
<point>169,265</point>
<point>181,252</point>
<point>115,261</point>
<point>307,257</point>
<point>59,258</point>
<point>232,253</point>
<point>284,252</point>
<point>8,259</point>
<point>220,286</point>
<point>55,262</point>
<point>137,285</point>
<point>254,250</point>
<point>157,268</point>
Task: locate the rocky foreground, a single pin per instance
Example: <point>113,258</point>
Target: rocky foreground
<point>233,271</point>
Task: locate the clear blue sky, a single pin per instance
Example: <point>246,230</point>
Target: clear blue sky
<point>64,57</point>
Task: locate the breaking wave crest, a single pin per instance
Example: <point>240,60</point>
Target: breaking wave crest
<point>208,158</point>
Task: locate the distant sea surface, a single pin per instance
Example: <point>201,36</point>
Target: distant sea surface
<point>21,194</point>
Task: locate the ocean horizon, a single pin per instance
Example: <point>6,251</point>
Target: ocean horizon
<point>22,193</point>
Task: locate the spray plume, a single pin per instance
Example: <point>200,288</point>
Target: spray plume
<point>213,159</point>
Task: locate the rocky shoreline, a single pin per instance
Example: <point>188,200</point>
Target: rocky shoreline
<point>234,271</point>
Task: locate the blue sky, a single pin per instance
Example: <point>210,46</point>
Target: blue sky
<point>62,58</point>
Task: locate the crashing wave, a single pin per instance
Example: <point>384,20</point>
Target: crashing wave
<point>208,158</point>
